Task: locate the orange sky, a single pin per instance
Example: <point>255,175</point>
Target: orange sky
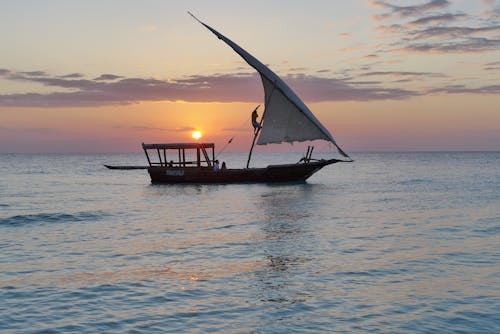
<point>417,124</point>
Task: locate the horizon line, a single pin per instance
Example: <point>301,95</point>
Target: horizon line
<point>246,152</point>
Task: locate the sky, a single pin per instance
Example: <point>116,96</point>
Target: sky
<point>105,76</point>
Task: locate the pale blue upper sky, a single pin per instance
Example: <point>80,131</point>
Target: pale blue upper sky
<point>138,37</point>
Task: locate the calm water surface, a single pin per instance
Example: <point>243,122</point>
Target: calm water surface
<point>393,243</point>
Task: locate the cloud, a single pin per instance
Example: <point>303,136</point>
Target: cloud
<point>494,66</point>
<point>102,91</point>
<point>237,87</point>
<point>434,33</point>
<point>72,76</point>
<point>30,130</point>
<point>296,69</point>
<point>147,128</point>
<point>183,129</point>
<point>462,89</point>
<point>469,45</point>
<point>452,32</point>
<point>105,77</point>
<point>315,89</point>
<point>344,34</point>
<point>242,129</point>
<point>403,73</point>
<point>496,12</point>
<point>152,128</point>
<point>437,19</point>
<point>35,73</point>
<point>407,11</point>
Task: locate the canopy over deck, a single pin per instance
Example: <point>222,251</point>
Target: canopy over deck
<point>186,155</point>
<point>175,146</point>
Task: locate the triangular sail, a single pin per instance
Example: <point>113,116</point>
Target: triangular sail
<point>287,118</point>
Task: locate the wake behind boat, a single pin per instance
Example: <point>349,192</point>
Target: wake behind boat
<point>286,119</point>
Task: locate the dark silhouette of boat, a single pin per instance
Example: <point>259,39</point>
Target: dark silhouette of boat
<point>125,167</point>
<point>286,119</point>
<point>202,168</point>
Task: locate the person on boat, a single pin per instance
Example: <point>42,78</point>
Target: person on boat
<point>171,163</point>
<point>216,165</point>
<point>255,123</point>
<point>223,167</point>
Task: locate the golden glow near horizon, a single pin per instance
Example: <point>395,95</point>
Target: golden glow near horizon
<point>196,135</point>
<point>378,75</point>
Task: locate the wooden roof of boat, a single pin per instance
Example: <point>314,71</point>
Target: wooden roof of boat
<point>177,146</point>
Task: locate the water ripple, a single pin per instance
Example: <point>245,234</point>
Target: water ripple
<point>40,218</point>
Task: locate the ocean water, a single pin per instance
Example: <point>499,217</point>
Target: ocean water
<point>392,243</point>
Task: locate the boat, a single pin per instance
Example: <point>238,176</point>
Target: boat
<point>286,119</point>
<point>196,163</point>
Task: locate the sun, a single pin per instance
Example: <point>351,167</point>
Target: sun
<point>196,135</point>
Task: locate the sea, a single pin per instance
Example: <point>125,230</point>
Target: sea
<point>390,243</point>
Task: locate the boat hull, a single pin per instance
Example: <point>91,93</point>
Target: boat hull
<point>125,167</point>
<point>269,174</point>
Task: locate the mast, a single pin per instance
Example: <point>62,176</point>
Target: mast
<point>256,132</point>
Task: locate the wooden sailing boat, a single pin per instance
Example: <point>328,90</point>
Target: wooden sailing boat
<point>286,119</point>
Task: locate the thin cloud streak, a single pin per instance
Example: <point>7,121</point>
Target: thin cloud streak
<point>401,73</point>
<point>106,77</point>
<point>72,76</point>
<point>30,130</point>
<point>437,19</point>
<point>453,32</point>
<point>461,89</point>
<point>472,45</point>
<point>494,66</point>
<point>151,128</point>
<point>35,73</point>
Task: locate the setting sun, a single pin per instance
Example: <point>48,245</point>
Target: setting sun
<point>196,134</point>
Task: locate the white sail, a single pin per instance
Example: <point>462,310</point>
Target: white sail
<point>287,118</point>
